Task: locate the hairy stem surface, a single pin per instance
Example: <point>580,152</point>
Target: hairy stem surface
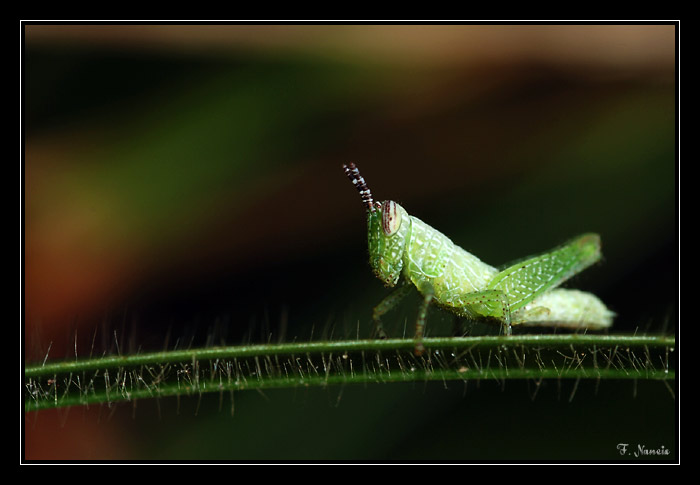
<point>116,378</point>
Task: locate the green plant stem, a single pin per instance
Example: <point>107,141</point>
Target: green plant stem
<point>226,369</point>
<point>303,348</point>
<point>325,381</point>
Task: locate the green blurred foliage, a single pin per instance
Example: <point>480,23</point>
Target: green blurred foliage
<point>213,181</point>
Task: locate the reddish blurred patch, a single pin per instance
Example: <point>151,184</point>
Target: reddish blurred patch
<point>73,434</point>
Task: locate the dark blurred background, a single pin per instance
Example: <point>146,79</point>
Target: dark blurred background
<point>183,186</point>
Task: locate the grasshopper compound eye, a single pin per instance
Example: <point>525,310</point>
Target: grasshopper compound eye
<point>391,217</point>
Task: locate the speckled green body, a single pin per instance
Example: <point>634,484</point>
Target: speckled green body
<point>405,251</point>
<point>430,261</point>
<point>433,260</point>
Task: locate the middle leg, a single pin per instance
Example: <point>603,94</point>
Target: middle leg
<point>486,303</point>
<point>428,295</point>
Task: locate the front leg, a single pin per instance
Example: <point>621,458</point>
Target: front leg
<point>389,302</point>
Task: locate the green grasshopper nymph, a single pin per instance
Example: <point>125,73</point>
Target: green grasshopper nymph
<point>525,293</point>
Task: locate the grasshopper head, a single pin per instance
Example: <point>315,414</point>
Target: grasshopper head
<point>388,228</point>
<point>388,225</point>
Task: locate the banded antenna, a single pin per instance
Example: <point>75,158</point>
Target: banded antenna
<point>359,182</point>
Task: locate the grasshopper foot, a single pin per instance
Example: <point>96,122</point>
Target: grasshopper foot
<point>379,331</point>
<point>419,349</point>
